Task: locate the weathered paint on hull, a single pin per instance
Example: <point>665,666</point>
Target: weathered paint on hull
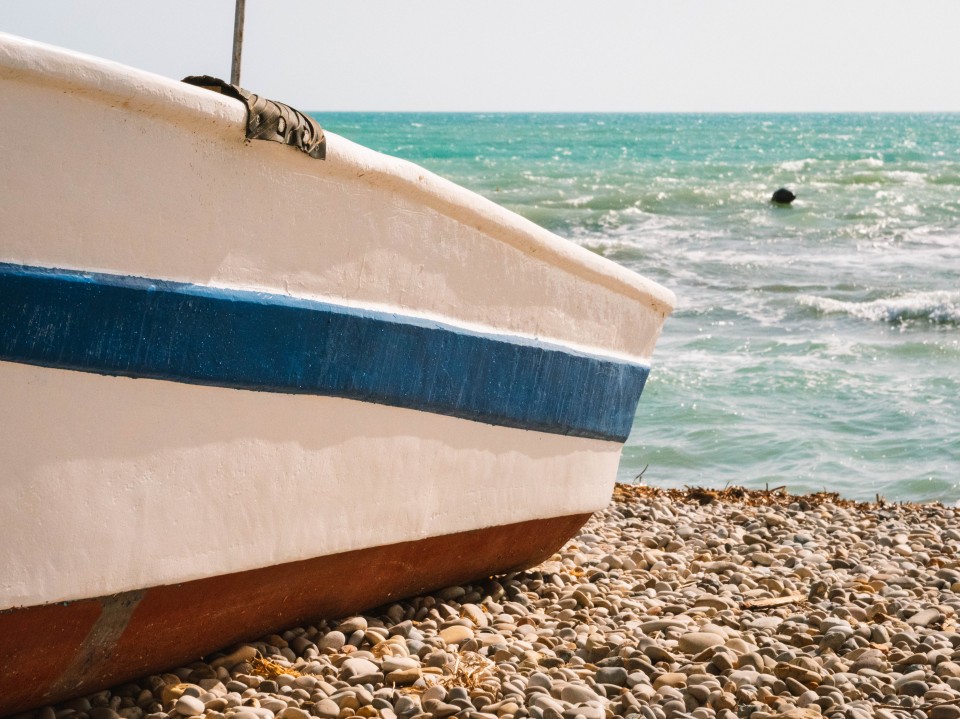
<point>55,651</point>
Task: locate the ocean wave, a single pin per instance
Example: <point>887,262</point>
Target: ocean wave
<point>945,178</point>
<point>940,307</point>
<point>907,176</point>
<point>797,165</point>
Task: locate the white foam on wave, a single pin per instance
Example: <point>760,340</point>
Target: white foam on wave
<point>578,201</point>
<point>940,307</point>
<point>797,165</point>
<point>907,177</point>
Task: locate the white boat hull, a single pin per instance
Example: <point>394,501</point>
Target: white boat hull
<point>215,478</point>
<point>240,387</point>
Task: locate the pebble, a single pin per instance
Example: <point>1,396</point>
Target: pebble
<point>915,688</point>
<point>696,642</point>
<point>187,705</point>
<point>325,709</point>
<point>670,679</point>
<point>246,714</point>
<point>392,664</point>
<point>947,669</point>
<point>766,605</point>
<point>360,671</point>
<point>616,676</point>
<point>578,694</point>
<point>353,624</point>
<point>924,617</point>
<point>456,634</point>
<point>241,654</point>
<point>333,641</point>
<point>945,711</point>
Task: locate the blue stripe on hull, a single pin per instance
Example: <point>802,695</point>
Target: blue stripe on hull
<point>118,325</point>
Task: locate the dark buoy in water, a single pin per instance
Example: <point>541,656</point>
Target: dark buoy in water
<point>783,196</point>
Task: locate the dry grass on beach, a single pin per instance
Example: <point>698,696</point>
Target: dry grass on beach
<point>669,604</point>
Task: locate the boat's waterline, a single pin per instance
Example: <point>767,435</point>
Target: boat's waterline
<point>54,651</point>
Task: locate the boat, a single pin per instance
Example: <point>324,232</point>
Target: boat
<point>242,387</point>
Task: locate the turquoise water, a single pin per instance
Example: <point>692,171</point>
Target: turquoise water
<point>815,346</point>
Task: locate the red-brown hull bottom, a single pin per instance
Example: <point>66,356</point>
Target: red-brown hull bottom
<point>55,651</point>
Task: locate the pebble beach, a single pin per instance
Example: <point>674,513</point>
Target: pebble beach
<point>669,604</point>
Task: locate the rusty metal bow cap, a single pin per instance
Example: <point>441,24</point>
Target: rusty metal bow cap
<point>271,120</point>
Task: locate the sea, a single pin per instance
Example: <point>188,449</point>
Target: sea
<point>816,346</point>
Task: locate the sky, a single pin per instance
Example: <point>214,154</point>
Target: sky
<point>535,55</point>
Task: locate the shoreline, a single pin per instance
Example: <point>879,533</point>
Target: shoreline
<point>668,604</point>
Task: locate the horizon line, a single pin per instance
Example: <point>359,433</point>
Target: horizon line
<point>640,112</point>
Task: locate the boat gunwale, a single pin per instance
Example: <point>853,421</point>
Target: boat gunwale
<point>176,102</point>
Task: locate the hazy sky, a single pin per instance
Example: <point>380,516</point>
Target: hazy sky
<point>535,55</point>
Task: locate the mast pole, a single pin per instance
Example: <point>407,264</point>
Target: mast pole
<point>237,43</point>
